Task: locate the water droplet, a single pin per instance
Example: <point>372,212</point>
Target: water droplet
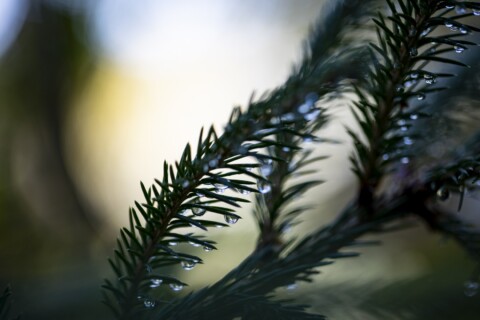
<point>186,265</point>
<point>198,211</point>
<point>410,83</point>
<point>443,193</point>
<point>413,52</point>
<point>421,96</point>
<point>404,128</point>
<point>243,191</point>
<point>213,163</point>
<point>401,122</point>
<point>266,168</point>
<point>207,249</point>
<point>220,187</point>
<point>307,139</point>
<point>312,115</point>
<point>463,30</point>
<point>429,79</point>
<point>449,6</point>
<point>176,286</point>
<point>407,141</point>
<point>448,24</point>
<point>149,303</point>
<point>286,149</point>
<point>185,183</point>
<point>155,283</point>
<point>291,286</point>
<point>414,116</point>
<point>471,288</point>
<point>172,243</point>
<point>288,117</point>
<point>264,186</point>
<point>404,160</point>
<point>454,28</point>
<point>231,219</point>
<point>385,157</point>
<point>460,10</point>
<point>414,75</point>
<point>205,168</point>
<point>425,32</point>
<point>476,12</point>
<point>304,107</point>
<point>459,49</point>
<point>194,244</point>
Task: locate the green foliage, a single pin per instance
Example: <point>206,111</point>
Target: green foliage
<point>262,151</point>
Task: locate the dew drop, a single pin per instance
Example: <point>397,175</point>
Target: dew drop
<point>307,139</point>
<point>461,10</point>
<point>476,12</point>
<point>213,163</point>
<point>230,219</point>
<point>304,108</point>
<point>404,128</point>
<point>149,303</point>
<point>463,31</point>
<point>176,286</point>
<point>425,32</point>
<point>414,75</point>
<point>471,288</point>
<point>194,244</point>
<point>220,187</point>
<point>172,243</point>
<point>186,265</point>
<point>401,122</point>
<point>198,211</point>
<point>414,116</point>
<point>429,79</point>
<point>459,49</point>
<point>155,283</point>
<point>312,115</point>
<point>385,157</point>
<point>453,28</point>
<point>449,6</point>
<point>266,168</point>
<point>288,117</point>
<point>405,160</point>
<point>243,191</point>
<point>286,149</point>
<point>291,286</point>
<point>413,52</point>
<point>410,83</point>
<point>264,186</point>
<point>443,193</point>
<point>407,141</point>
<point>421,96</point>
<point>207,249</point>
<point>448,24</point>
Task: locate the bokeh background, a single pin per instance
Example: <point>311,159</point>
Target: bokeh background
<point>95,95</point>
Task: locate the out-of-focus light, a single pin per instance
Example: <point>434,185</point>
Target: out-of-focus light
<point>12,16</point>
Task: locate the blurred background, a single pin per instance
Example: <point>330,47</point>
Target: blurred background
<point>95,95</point>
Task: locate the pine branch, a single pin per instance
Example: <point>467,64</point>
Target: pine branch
<point>402,56</point>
